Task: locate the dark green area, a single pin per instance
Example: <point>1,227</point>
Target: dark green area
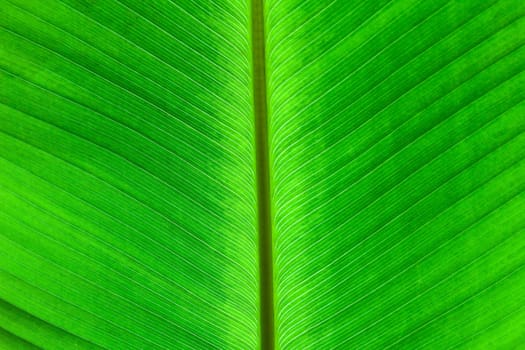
<point>263,177</point>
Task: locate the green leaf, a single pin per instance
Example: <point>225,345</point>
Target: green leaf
<point>398,147</point>
<point>127,175</point>
<point>173,175</point>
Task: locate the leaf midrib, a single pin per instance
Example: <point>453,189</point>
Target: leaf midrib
<point>263,178</point>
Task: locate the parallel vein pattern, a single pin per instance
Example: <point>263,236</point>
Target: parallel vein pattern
<point>397,152</point>
<point>127,193</point>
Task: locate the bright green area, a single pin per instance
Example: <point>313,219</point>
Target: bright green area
<point>128,179</point>
<point>127,192</point>
<point>398,162</point>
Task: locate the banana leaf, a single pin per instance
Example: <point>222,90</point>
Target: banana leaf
<point>279,174</point>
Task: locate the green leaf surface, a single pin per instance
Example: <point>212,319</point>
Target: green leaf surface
<point>138,138</point>
<point>398,168</point>
<point>127,180</point>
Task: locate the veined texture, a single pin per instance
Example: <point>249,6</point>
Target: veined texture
<point>398,174</point>
<point>127,198</point>
<point>131,168</point>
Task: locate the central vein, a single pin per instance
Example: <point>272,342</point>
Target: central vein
<point>263,177</point>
